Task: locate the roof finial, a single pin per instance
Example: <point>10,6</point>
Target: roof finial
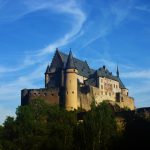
<point>117,71</point>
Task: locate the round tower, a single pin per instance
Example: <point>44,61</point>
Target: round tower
<point>71,84</point>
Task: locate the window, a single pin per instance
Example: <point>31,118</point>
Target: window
<point>101,93</point>
<point>72,92</point>
<point>101,86</point>
<point>52,94</point>
<point>101,80</point>
<point>109,94</point>
<point>45,94</point>
<point>105,93</point>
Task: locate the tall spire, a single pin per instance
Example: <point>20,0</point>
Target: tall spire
<point>70,62</point>
<point>117,71</point>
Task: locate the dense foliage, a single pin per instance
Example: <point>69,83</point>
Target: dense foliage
<point>40,126</point>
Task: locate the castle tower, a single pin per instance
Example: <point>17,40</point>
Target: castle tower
<point>47,76</point>
<point>71,84</point>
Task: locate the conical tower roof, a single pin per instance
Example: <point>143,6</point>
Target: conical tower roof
<point>70,62</point>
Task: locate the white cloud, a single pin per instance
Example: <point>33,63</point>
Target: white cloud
<point>145,8</point>
<point>11,91</point>
<point>115,13</point>
<point>64,6</point>
<point>4,111</point>
<point>144,74</point>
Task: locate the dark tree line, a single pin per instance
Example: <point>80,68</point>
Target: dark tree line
<point>40,126</point>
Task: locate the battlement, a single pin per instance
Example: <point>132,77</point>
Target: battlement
<point>51,96</point>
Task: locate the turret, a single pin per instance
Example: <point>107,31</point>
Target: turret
<point>47,76</point>
<point>71,84</point>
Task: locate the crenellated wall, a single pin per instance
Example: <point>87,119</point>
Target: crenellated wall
<point>51,96</point>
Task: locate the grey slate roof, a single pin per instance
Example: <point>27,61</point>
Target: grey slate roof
<point>122,86</point>
<point>70,62</point>
<point>81,66</point>
<point>91,81</point>
<point>84,70</point>
<point>103,72</point>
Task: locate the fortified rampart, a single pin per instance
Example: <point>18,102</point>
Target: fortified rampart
<point>51,96</point>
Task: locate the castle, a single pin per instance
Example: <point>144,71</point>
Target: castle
<point>71,83</point>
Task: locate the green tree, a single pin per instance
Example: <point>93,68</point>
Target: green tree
<point>39,125</point>
<point>61,124</point>
<point>9,134</point>
<point>97,129</point>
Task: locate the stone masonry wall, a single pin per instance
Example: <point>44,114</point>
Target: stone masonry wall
<point>51,96</point>
<point>126,102</point>
<point>88,94</point>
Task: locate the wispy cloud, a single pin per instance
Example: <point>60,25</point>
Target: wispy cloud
<point>145,8</point>
<point>112,16</point>
<point>69,7</point>
<point>10,91</point>
<point>5,112</point>
<point>137,74</point>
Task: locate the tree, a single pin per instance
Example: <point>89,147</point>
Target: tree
<point>9,134</point>
<point>61,124</point>
<point>97,129</point>
<point>39,125</point>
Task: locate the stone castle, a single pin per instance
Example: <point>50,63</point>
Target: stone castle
<point>71,83</point>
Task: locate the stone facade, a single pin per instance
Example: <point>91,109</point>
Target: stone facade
<point>70,82</point>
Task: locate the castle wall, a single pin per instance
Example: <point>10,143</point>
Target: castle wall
<point>108,85</point>
<point>126,102</point>
<point>51,96</point>
<point>85,97</point>
<point>88,94</point>
<point>125,92</point>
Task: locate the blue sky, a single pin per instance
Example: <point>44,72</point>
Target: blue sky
<point>103,32</point>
